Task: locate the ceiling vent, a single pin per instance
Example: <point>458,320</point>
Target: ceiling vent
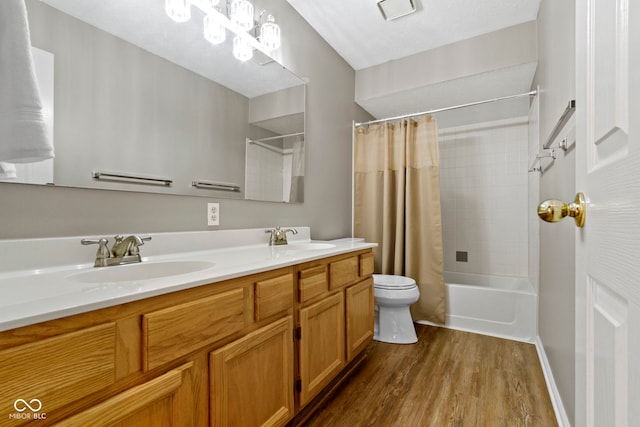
<point>393,9</point>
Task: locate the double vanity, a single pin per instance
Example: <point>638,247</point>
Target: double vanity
<point>211,328</point>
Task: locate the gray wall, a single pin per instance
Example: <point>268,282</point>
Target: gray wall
<point>35,211</point>
<point>504,48</point>
<point>556,77</point>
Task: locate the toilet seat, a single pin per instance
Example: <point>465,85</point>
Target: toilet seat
<point>393,283</point>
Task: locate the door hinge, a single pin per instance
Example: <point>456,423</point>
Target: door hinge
<point>298,385</point>
<point>298,333</point>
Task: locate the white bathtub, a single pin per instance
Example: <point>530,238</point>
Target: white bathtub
<point>500,306</point>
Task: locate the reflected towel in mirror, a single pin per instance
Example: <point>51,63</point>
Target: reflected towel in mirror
<point>23,134</point>
<point>7,171</point>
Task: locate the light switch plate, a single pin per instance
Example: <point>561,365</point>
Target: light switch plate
<point>213,213</point>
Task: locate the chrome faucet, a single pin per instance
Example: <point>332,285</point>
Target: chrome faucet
<point>125,250</point>
<point>279,235</point>
<point>126,246</point>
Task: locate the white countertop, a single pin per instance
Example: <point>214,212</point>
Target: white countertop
<point>51,287</point>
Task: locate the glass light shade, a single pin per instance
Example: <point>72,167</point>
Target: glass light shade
<point>241,13</point>
<point>242,50</point>
<point>270,34</point>
<point>178,10</point>
<point>214,31</point>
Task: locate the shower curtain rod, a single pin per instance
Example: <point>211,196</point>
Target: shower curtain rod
<point>275,137</point>
<point>438,110</point>
<point>267,147</point>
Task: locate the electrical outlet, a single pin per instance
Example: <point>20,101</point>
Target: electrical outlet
<point>213,213</point>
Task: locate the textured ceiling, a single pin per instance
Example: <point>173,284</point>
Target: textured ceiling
<point>359,33</point>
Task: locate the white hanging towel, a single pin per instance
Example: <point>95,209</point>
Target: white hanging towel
<point>8,171</point>
<point>23,135</point>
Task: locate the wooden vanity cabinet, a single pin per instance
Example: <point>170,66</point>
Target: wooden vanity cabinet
<point>335,318</point>
<point>228,353</point>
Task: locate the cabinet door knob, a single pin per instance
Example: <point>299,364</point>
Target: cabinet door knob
<point>555,210</point>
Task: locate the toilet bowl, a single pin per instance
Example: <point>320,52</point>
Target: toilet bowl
<point>393,295</point>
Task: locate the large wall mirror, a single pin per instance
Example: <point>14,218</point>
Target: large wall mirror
<point>143,103</point>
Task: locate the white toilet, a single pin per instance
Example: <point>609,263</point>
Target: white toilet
<point>393,295</point>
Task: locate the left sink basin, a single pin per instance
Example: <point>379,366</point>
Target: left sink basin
<point>140,271</point>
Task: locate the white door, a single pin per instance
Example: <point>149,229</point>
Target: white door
<point>608,247</point>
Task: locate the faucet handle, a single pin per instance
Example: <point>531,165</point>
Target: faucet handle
<point>103,251</point>
<point>134,249</point>
<point>273,232</point>
<point>94,241</point>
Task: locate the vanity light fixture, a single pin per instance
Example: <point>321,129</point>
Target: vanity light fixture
<point>251,34</point>
<point>241,12</point>
<point>242,50</point>
<point>270,34</point>
<point>178,10</point>
<point>213,30</point>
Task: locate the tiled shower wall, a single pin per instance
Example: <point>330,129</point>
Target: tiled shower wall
<point>264,174</point>
<point>483,185</point>
<point>268,174</point>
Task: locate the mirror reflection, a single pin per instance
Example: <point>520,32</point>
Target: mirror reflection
<point>135,94</point>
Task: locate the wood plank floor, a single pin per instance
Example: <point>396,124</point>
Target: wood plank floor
<point>449,378</point>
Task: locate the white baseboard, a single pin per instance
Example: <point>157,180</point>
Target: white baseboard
<point>554,394</point>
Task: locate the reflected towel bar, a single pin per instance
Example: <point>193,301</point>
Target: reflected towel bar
<point>113,176</point>
<point>275,137</point>
<point>208,185</point>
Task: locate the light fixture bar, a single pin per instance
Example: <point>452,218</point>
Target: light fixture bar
<point>393,9</point>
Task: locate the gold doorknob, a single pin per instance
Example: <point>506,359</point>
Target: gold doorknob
<point>554,210</point>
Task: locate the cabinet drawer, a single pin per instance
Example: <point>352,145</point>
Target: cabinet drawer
<point>273,296</point>
<point>175,331</point>
<point>366,264</point>
<point>312,282</point>
<point>157,401</point>
<point>57,370</point>
<point>343,272</point>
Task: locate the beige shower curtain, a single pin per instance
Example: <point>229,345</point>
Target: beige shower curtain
<point>397,204</point>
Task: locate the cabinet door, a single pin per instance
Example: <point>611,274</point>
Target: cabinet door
<point>163,401</point>
<point>321,345</point>
<point>359,302</point>
<point>58,370</point>
<point>252,378</point>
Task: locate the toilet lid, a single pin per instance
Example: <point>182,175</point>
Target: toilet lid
<point>391,282</point>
